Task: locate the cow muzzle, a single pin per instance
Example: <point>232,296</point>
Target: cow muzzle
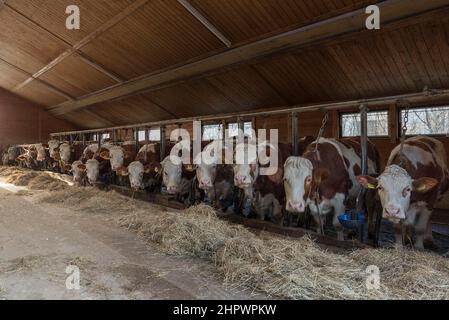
<point>296,206</point>
<point>205,184</point>
<point>242,181</point>
<point>172,189</point>
<point>393,213</point>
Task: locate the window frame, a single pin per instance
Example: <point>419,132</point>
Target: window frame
<point>340,124</point>
<point>399,121</point>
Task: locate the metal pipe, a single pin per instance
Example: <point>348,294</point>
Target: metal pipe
<point>136,135</point>
<point>364,137</point>
<point>162,140</point>
<point>295,147</point>
<point>412,97</point>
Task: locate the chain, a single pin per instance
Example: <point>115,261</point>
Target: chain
<point>322,128</point>
<point>406,106</point>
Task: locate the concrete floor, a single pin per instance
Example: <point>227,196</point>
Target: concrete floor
<point>38,242</point>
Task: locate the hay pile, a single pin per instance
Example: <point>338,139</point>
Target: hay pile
<point>34,180</point>
<point>92,200</point>
<point>291,268</point>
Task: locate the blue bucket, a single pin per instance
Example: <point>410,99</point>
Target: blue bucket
<point>348,222</point>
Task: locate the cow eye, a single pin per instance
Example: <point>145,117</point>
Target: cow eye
<point>406,191</point>
<point>309,179</point>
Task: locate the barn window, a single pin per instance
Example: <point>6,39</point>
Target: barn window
<point>377,124</point>
<point>247,129</point>
<point>142,135</point>
<point>212,132</point>
<point>428,120</point>
<point>155,134</point>
<point>105,136</point>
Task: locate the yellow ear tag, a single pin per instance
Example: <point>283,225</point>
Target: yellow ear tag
<point>156,169</point>
<point>189,168</point>
<point>371,186</point>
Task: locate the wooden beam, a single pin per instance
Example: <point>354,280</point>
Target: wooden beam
<point>100,68</point>
<point>201,18</point>
<point>77,46</point>
<point>391,10</point>
<point>49,86</point>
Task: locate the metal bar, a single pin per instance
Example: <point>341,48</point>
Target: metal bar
<point>295,147</point>
<point>136,136</point>
<point>364,137</point>
<point>412,97</point>
<point>162,151</point>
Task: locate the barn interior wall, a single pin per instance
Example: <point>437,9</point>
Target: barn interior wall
<point>22,121</point>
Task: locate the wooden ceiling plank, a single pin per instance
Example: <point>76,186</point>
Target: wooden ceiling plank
<point>204,21</point>
<point>392,10</point>
<point>74,49</point>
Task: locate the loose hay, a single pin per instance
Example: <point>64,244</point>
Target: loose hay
<point>276,266</point>
<point>34,180</point>
<point>290,268</point>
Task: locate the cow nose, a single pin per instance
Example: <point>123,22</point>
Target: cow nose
<point>393,212</point>
<point>296,206</point>
<point>205,183</point>
<point>172,189</point>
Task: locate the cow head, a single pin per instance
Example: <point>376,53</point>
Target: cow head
<point>65,152</point>
<point>246,168</point>
<point>300,182</point>
<point>135,171</point>
<point>394,187</point>
<point>92,171</point>
<point>77,169</point>
<point>41,152</point>
<point>52,146</point>
<point>115,155</point>
<point>171,173</point>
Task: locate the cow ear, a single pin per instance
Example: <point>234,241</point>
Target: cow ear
<point>367,182</point>
<point>122,171</point>
<point>68,167</point>
<point>319,175</point>
<point>424,185</point>
<point>82,167</point>
<point>105,155</point>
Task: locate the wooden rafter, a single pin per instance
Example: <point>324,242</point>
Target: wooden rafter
<point>205,22</point>
<point>44,83</point>
<point>391,11</point>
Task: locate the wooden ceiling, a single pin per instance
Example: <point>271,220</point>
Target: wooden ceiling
<point>124,41</point>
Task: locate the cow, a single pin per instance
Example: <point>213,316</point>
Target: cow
<point>324,177</point>
<point>92,170</point>
<point>265,193</point>
<point>214,176</point>
<point>10,156</point>
<point>78,170</point>
<point>410,186</point>
<point>135,171</point>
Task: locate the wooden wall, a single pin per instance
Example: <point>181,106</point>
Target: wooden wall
<point>22,121</point>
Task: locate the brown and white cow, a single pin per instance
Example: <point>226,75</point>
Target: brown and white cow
<point>409,190</point>
<point>215,175</point>
<point>265,192</point>
<point>326,177</point>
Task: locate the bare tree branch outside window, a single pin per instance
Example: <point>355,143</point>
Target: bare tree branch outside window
<point>377,124</point>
